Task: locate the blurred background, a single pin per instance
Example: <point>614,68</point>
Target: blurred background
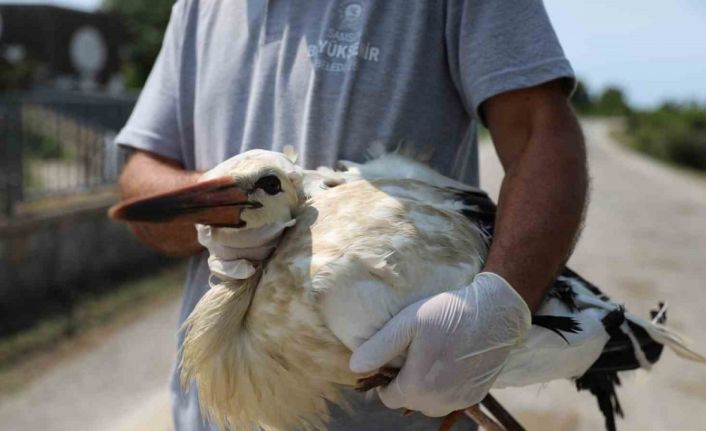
<point>88,315</point>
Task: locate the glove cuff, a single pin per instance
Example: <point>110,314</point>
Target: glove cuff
<point>231,269</point>
<point>509,297</point>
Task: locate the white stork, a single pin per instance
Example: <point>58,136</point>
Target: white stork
<point>271,350</point>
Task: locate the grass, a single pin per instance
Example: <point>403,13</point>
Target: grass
<point>95,315</point>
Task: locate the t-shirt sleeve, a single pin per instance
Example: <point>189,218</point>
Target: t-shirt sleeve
<point>154,123</point>
<point>498,46</point>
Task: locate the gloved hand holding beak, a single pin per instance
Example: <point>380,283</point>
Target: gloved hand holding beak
<point>234,253</point>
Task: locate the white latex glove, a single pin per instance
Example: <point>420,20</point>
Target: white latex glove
<point>456,344</point>
<point>234,253</point>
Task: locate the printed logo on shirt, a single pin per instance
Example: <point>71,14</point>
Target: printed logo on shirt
<point>342,47</point>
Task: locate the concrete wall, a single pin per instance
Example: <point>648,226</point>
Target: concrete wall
<point>50,258</point>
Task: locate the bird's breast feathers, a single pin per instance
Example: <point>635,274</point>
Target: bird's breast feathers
<point>364,250</point>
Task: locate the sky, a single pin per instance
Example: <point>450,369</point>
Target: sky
<point>654,49</point>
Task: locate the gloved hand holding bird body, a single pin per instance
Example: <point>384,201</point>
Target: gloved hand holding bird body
<point>391,255</point>
<point>457,344</point>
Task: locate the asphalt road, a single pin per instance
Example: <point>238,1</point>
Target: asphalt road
<point>644,241</point>
<point>118,385</point>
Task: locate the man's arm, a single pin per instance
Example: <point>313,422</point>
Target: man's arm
<point>458,342</point>
<point>543,194</point>
<point>146,174</point>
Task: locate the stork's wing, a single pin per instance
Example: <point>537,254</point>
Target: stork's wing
<point>629,344</point>
<point>477,206</point>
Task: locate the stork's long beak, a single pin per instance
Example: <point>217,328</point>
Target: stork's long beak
<point>216,202</point>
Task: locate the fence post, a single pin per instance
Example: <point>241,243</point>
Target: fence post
<point>11,142</point>
<point>18,181</point>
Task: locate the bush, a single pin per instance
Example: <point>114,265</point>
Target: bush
<point>609,103</point>
<point>673,133</point>
<point>42,146</point>
<point>14,77</point>
<point>582,98</point>
<point>612,103</point>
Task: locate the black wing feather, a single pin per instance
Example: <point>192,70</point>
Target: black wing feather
<point>557,324</point>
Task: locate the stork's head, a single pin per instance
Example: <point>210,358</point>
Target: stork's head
<point>250,190</point>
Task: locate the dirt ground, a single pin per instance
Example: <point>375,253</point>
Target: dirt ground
<point>644,241</point>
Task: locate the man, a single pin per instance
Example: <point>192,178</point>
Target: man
<point>332,76</point>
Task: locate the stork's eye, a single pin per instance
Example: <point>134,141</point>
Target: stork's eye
<point>270,184</point>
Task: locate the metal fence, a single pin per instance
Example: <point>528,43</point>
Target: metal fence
<point>55,144</point>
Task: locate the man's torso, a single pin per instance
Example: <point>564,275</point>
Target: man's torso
<point>327,77</point>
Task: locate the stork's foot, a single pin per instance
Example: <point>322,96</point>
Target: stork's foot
<point>383,377</point>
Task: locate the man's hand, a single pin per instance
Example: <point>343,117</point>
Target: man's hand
<point>458,343</point>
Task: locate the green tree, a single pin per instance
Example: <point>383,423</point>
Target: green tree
<point>612,102</point>
<point>582,99</point>
<point>145,22</point>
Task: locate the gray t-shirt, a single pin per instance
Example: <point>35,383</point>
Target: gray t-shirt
<point>331,77</point>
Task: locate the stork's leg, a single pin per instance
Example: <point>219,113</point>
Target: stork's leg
<point>502,415</point>
<point>478,416</point>
<point>387,374</point>
<point>488,424</point>
<point>450,420</point>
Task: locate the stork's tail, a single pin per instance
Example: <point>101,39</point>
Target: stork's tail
<point>634,342</point>
<point>630,346</point>
<point>643,338</point>
<point>667,336</point>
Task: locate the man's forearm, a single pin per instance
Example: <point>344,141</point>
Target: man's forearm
<point>146,174</point>
<point>541,206</point>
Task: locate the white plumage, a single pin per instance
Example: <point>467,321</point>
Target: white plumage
<point>270,350</point>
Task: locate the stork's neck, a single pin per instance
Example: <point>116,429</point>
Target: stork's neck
<point>218,317</point>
